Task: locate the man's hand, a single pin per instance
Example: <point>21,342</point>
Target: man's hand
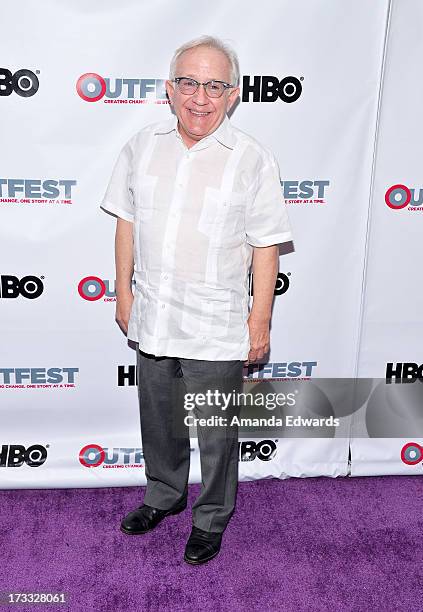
<point>123,309</point>
<point>259,338</point>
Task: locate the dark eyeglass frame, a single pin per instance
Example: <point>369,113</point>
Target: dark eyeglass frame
<point>225,86</point>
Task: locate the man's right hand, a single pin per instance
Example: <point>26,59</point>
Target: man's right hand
<point>123,309</point>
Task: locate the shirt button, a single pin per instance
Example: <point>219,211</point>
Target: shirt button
<point>165,277</point>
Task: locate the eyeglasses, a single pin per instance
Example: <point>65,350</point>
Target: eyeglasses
<point>214,89</point>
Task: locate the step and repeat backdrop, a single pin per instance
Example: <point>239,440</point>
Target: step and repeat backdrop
<point>330,87</point>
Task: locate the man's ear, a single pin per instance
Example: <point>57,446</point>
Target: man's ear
<point>232,98</point>
<point>170,90</point>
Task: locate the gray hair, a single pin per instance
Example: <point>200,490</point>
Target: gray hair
<point>215,43</point>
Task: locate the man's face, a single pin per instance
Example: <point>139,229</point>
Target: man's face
<point>198,114</point>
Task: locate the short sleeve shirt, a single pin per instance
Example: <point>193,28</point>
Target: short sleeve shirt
<point>197,213</point>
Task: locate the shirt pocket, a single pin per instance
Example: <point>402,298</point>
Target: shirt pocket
<point>206,312</point>
<point>145,196</point>
<point>222,216</point>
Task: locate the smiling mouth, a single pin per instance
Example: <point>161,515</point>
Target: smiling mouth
<point>198,114</point>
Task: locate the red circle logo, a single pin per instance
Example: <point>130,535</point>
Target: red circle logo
<point>395,188</point>
<point>84,452</point>
<point>87,79</point>
<point>95,281</point>
<point>407,456</point>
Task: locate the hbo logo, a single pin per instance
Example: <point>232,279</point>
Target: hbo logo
<point>29,287</point>
<point>15,455</point>
<point>24,82</point>
<point>250,450</point>
<point>270,88</point>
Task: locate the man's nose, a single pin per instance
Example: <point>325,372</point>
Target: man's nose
<point>200,96</point>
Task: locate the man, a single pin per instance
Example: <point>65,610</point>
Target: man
<point>197,200</point>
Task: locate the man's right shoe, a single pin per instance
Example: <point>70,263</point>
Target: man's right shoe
<point>145,518</point>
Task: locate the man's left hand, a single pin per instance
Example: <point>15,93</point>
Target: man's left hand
<point>259,338</point>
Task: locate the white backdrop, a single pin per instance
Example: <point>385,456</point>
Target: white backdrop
<point>67,378</point>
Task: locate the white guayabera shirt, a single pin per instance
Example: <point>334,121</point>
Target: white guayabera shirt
<point>197,215</point>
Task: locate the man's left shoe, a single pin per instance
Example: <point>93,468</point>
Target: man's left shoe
<point>202,546</point>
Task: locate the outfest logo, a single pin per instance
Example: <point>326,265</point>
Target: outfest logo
<point>400,196</point>
<point>93,87</point>
<point>278,370</point>
<point>94,455</point>
<point>93,288</point>
<point>38,378</point>
<point>305,191</point>
<point>36,191</point>
<point>412,453</point>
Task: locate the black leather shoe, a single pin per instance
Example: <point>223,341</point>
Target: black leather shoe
<point>202,546</point>
<point>145,518</point>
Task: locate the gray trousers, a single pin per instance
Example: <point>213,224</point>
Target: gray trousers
<point>166,448</point>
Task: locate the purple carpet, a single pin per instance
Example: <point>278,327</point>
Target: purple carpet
<point>352,544</point>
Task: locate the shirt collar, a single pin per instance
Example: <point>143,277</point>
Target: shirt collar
<point>223,134</point>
